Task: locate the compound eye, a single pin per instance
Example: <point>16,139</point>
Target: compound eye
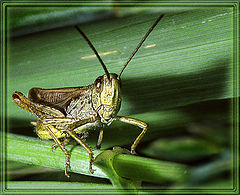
<point>98,85</point>
<point>98,82</point>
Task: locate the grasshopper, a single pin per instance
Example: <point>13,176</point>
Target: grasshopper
<point>67,112</point>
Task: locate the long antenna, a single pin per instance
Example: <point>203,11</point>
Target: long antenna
<point>95,51</point>
<point>140,44</point>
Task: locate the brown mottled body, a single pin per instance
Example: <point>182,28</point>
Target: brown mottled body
<point>64,112</point>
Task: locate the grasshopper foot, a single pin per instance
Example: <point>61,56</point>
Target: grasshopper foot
<point>54,146</point>
<point>133,152</point>
<point>98,146</point>
<point>92,170</point>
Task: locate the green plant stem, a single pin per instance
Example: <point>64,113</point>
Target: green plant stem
<point>41,154</point>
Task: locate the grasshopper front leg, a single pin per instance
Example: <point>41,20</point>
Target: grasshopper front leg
<point>136,122</point>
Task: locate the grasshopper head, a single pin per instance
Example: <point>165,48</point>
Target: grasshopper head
<point>106,97</point>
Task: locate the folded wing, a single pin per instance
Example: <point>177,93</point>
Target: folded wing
<point>58,98</point>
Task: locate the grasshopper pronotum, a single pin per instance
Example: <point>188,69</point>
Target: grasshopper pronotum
<point>65,112</point>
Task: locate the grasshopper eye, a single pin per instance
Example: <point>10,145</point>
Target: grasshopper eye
<point>98,82</point>
<point>98,85</point>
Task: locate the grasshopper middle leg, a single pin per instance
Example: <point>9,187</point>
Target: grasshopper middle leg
<point>82,143</point>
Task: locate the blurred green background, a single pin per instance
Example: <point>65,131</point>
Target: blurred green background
<point>180,83</point>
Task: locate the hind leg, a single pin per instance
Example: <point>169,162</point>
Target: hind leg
<point>51,129</point>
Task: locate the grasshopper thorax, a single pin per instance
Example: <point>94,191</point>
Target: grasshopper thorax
<point>106,97</point>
